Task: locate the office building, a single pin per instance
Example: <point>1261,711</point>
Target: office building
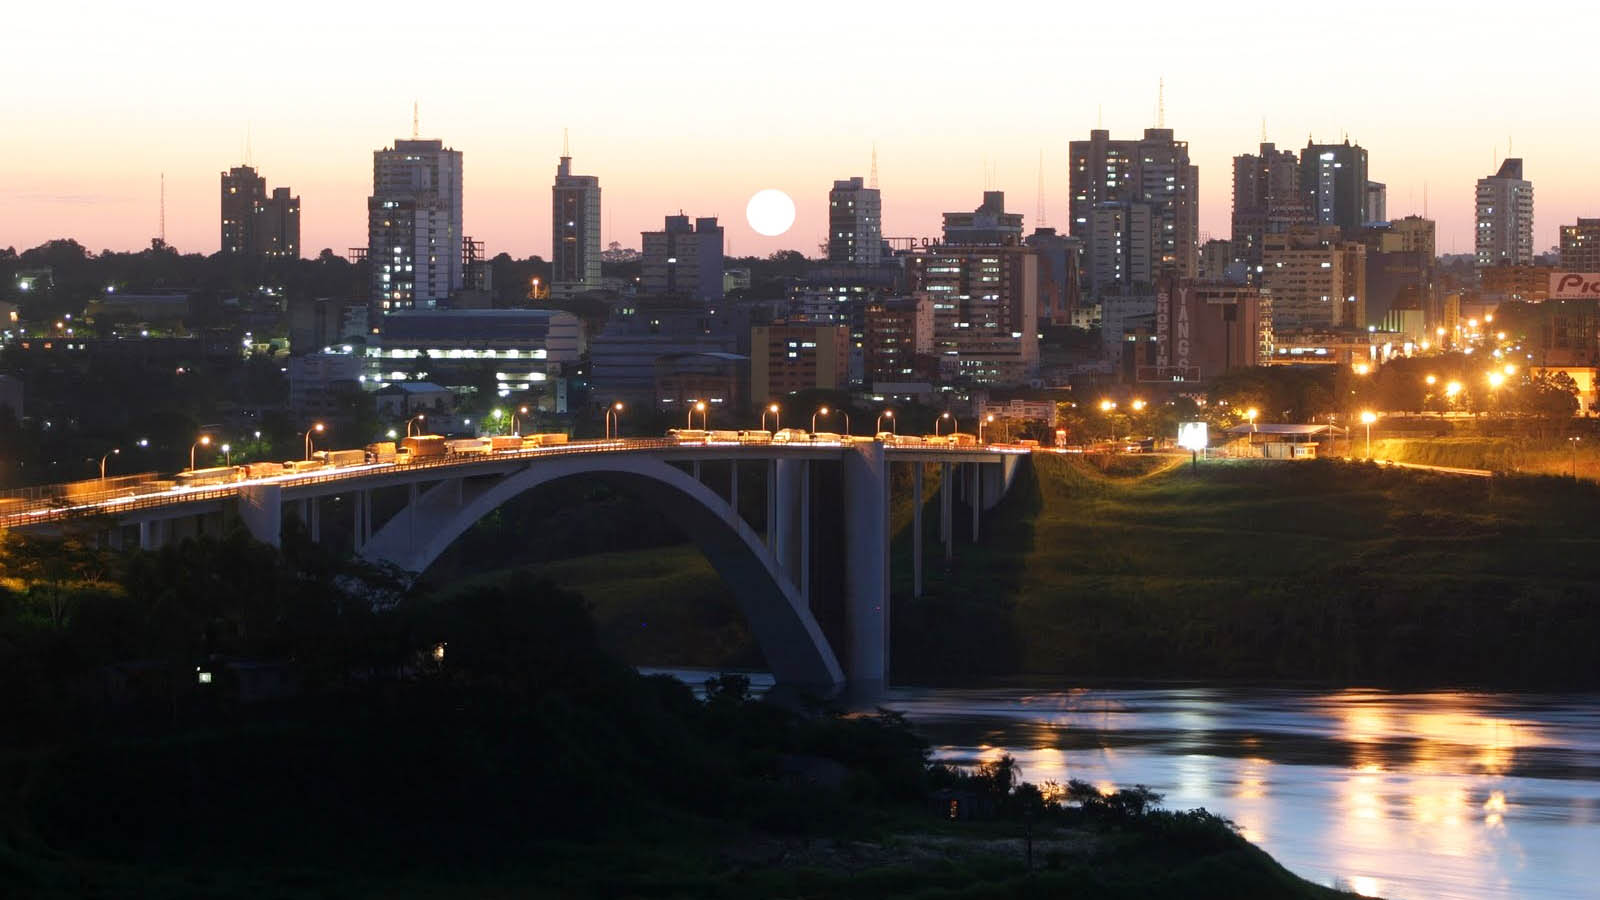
<point>985,310</point>
<point>1530,284</point>
<point>1401,273</point>
<point>1505,218</point>
<point>1267,199</point>
<point>524,348</point>
<point>624,357</point>
<point>1135,205</point>
<point>255,223</point>
<point>319,382</point>
<point>1333,179</point>
<point>1377,205</point>
<point>855,224</point>
<point>899,340</point>
<point>1316,278</point>
<point>787,358</point>
<point>683,259</point>
<point>574,231</point>
<point>989,224</point>
<point>414,225</point>
<point>1580,246</point>
<point>1201,330</point>
<point>1060,289</point>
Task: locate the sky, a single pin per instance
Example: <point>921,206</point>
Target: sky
<point>696,106</point>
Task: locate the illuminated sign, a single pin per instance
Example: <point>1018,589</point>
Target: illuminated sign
<point>1575,285</point>
<point>1192,436</point>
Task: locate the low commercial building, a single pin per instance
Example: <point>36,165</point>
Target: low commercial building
<point>623,357</point>
<point>685,378</point>
<point>520,348</point>
<point>317,380</point>
<point>788,358</point>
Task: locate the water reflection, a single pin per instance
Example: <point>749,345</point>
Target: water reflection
<point>1404,795</point>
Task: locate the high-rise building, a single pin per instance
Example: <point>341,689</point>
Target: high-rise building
<point>255,223</point>
<point>1201,330</point>
<point>1333,178</point>
<point>574,231</point>
<point>899,338</point>
<point>1505,217</point>
<point>1316,278</point>
<point>1267,199</point>
<point>683,259</point>
<point>1135,204</point>
<point>985,310</point>
<point>1580,246</point>
<point>414,225</point>
<point>1060,289</point>
<point>855,224</point>
<point>989,224</point>
<point>1377,205</point>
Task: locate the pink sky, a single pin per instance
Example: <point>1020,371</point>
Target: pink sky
<point>698,106</point>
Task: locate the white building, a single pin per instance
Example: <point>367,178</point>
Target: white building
<point>1505,217</point>
<point>855,223</point>
<point>414,225</point>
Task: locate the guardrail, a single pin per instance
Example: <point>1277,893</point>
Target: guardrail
<point>47,507</point>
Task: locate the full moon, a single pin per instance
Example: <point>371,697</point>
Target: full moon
<point>770,212</point>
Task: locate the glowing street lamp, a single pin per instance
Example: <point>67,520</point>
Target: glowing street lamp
<point>114,451</point>
<point>1510,370</point>
<point>516,423</point>
<point>314,429</point>
<point>1574,439</point>
<point>939,422</point>
<point>1361,368</point>
<point>986,420</point>
<point>1430,380</point>
<point>773,409</point>
<point>614,420</point>
<point>699,407</point>
<point>1251,414</point>
<point>1496,379</point>
<point>414,419</point>
<point>205,441</point>
<point>227,454</point>
<point>1107,405</point>
<point>1138,405</point>
<point>821,411</point>
<point>886,414</point>
<point>1367,418</point>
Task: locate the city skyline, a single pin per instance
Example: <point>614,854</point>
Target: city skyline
<point>789,124</point>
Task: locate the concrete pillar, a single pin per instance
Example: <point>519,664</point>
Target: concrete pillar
<point>771,532</point>
<point>356,502</point>
<point>261,511</point>
<point>805,532</point>
<point>947,518</point>
<point>975,498</point>
<point>410,512</point>
<point>694,469</point>
<point>916,529</point>
<point>866,582</point>
<point>786,488</point>
<point>148,536</point>
<point>316,519</point>
<point>733,488</point>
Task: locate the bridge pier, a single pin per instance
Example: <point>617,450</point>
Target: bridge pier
<point>261,510</point>
<point>975,497</point>
<point>733,488</point>
<point>916,529</point>
<point>947,488</point>
<point>866,526</point>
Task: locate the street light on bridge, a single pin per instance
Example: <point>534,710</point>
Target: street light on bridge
<point>114,451</point>
<point>986,420</point>
<point>886,414</point>
<point>314,429</point>
<point>205,441</point>
<point>954,426</point>
<point>414,419</point>
<point>614,420</point>
<point>227,454</point>
<point>516,425</point>
<point>700,407</point>
<point>776,421</point>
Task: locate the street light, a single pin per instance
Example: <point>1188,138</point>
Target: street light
<point>516,423</point>
<point>315,429</point>
<point>1496,379</point>
<point>416,418</point>
<point>205,441</point>
<point>886,414</point>
<point>1138,405</point>
<point>986,420</point>
<point>937,423</point>
<point>1107,405</point>
<point>1430,380</point>
<point>227,454</point>
<point>1452,389</point>
<point>699,407</point>
<point>773,409</point>
<point>1574,439</point>
<point>614,420</point>
<point>821,411</point>
<point>1361,368</point>
<point>1251,414</point>
<point>1367,418</point>
<point>114,451</point>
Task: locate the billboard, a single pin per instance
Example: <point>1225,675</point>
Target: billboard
<point>1575,285</point>
<point>1192,435</point>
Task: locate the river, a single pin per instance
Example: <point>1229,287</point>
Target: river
<point>1401,795</point>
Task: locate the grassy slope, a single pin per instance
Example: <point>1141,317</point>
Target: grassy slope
<point>1315,571</point>
<point>1500,454</point>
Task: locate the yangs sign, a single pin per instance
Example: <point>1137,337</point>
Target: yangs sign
<point>1575,285</point>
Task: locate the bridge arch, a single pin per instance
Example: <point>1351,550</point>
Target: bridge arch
<point>790,638</point>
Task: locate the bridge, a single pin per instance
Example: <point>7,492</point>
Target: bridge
<point>825,518</point>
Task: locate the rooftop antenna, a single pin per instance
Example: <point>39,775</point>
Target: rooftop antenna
<point>247,147</point>
<point>415,130</point>
<point>566,147</point>
<point>1100,116</point>
<point>872,181</point>
<point>1039,216</point>
<point>1263,129</point>
<point>163,221</point>
<point>1424,199</point>
<point>1161,102</point>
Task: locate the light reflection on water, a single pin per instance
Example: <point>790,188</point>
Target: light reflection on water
<point>1401,795</point>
